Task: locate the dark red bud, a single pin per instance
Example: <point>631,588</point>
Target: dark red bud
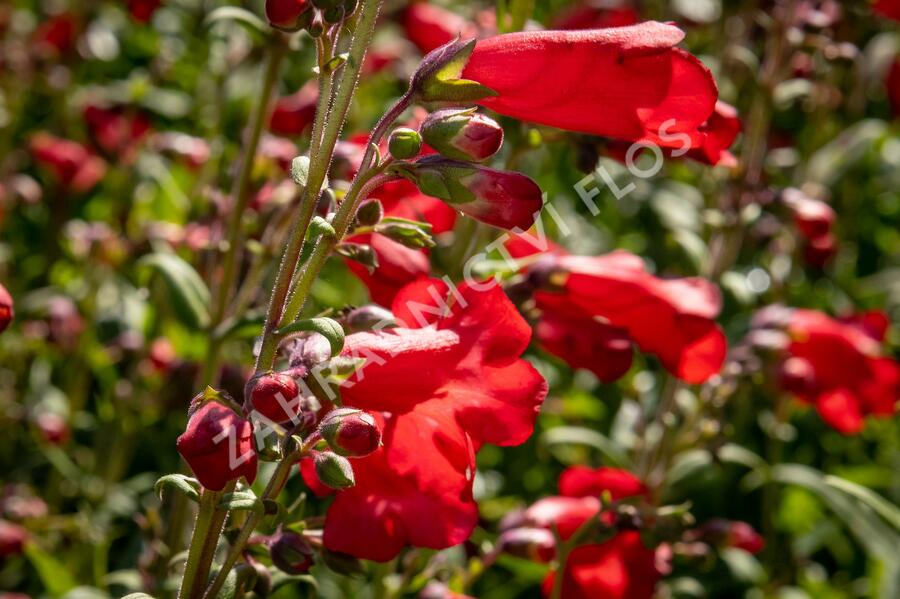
<point>350,432</point>
<point>274,395</point>
<point>53,427</point>
<point>291,553</point>
<point>820,250</point>
<point>218,445</point>
<point>287,15</point>
<point>12,539</point>
<point>537,544</point>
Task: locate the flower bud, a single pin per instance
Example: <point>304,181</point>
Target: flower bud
<point>820,250</point>
<point>333,470</point>
<point>404,143</point>
<point>53,428</point>
<point>350,432</point>
<point>502,199</point>
<point>291,553</point>
<point>218,443</point>
<point>369,213</point>
<point>288,15</point>
<point>359,252</point>
<point>411,234</point>
<point>368,318</point>
<point>813,218</point>
<point>6,308</point>
<point>335,14</point>
<point>462,134</point>
<point>274,395</point>
<point>12,539</point>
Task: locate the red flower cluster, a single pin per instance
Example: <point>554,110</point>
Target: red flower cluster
<point>72,164</point>
<point>594,307</point>
<point>619,568</point>
<point>470,388</point>
<point>649,90</point>
<point>838,367</point>
<point>6,308</point>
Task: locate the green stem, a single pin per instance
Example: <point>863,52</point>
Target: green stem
<point>209,501</point>
<point>320,162</point>
<point>240,192</point>
<point>272,490</point>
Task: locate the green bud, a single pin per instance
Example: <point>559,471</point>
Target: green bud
<point>409,233</point>
<point>359,252</point>
<point>333,470</point>
<point>370,213</point>
<point>404,143</point>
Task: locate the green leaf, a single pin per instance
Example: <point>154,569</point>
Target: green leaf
<point>187,486</point>
<point>57,581</point>
<point>584,436</point>
<point>327,327</point>
<point>743,565</point>
<point>879,504</point>
<point>242,501</point>
<point>190,297</point>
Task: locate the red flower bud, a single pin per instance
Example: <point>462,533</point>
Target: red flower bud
<point>813,218</point>
<point>286,14</point>
<point>462,134</point>
<point>275,396</point>
<point>503,199</point>
<point>53,428</point>
<point>350,432</point>
<point>218,445</point>
<point>12,539</point>
<point>6,308</point>
<point>820,250</point>
<point>291,553</point>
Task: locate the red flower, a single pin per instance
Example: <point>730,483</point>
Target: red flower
<point>293,114</point>
<point>470,387</point>
<point>670,318</point>
<point>399,265</point>
<point>892,82</point>
<point>55,36</point>
<point>620,568</point>
<point>583,342</point>
<point>218,445</point>
<point>852,379</point>
<point>628,82</point>
<point>429,26</point>
<point>719,132</point>
<point>727,533</point>
<point>7,313</point>
<point>117,134</point>
<point>142,10</point>
<point>71,163</point>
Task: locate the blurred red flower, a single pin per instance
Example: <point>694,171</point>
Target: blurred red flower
<point>586,16</point>
<point>117,133</point>
<point>55,36</point>
<point>851,378</point>
<point>887,8</point>
<point>6,308</point>
<point>429,26</point>
<point>293,114</point>
<point>12,539</point>
<point>72,164</point>
<point>470,388</point>
<point>615,298</point>
<point>142,10</point>
<point>648,89</point>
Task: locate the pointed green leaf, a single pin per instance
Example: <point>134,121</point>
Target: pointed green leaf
<point>189,295</point>
<point>187,486</point>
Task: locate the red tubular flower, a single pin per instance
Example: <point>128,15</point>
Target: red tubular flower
<point>583,342</point>
<point>7,313</point>
<point>399,265</point>
<point>471,388</point>
<point>852,379</point>
<point>293,114</point>
<point>218,445</point>
<point>670,318</point>
<point>429,26</point>
<point>813,218</point>
<point>71,163</point>
<point>719,132</point>
<point>142,10</point>
<point>55,36</point>
<point>117,134</point>
<point>628,82</point>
